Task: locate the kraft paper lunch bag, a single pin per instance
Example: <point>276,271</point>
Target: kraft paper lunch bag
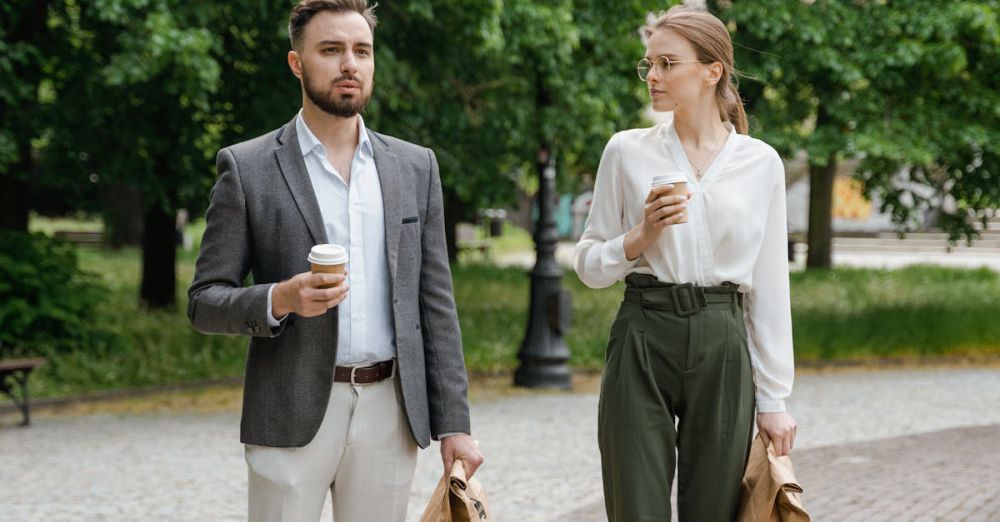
<point>770,492</point>
<point>456,499</point>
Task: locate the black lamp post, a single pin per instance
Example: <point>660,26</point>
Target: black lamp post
<point>543,353</point>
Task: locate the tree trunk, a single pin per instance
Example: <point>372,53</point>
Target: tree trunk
<point>821,214</point>
<point>13,202</point>
<point>25,23</point>
<point>454,211</point>
<point>123,217</point>
<point>159,259</point>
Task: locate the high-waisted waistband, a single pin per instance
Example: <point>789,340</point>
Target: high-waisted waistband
<point>683,299</point>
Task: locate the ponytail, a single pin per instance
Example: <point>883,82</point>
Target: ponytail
<point>731,106</point>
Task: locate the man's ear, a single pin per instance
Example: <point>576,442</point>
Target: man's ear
<point>295,64</point>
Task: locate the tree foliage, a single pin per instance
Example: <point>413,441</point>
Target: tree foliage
<point>488,83</point>
<point>907,87</point>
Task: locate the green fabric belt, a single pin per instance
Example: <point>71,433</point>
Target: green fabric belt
<point>683,299</point>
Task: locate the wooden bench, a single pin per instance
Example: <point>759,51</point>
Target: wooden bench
<point>14,373</point>
<point>465,239</point>
<point>81,238</point>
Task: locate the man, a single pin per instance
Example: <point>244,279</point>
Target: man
<point>342,383</point>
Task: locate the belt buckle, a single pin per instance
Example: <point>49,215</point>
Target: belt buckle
<point>354,372</point>
<point>674,296</point>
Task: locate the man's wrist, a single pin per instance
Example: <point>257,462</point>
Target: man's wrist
<point>278,310</point>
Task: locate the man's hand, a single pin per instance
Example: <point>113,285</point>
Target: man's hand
<point>302,294</point>
<point>461,446</point>
<point>777,428</point>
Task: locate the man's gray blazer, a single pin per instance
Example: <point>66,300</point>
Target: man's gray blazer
<point>263,219</point>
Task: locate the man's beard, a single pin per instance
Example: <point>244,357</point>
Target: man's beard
<point>330,103</point>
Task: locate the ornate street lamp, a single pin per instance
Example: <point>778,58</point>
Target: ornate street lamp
<point>543,353</point>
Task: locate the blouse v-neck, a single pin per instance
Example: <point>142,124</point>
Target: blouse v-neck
<point>673,143</point>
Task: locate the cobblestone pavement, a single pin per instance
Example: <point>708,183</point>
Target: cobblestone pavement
<point>946,475</point>
<point>864,437</point>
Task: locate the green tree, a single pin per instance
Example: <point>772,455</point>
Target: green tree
<point>24,39</point>
<point>134,85</point>
<point>877,80</point>
<point>489,83</point>
<point>936,121</point>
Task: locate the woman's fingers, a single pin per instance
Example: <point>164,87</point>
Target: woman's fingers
<point>673,212</point>
<point>765,437</point>
<point>657,192</point>
<point>665,207</point>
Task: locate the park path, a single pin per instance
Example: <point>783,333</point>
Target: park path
<point>922,439</point>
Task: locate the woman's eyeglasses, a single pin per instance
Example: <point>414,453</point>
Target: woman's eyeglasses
<point>661,62</point>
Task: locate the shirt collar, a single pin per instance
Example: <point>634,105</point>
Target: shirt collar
<point>308,141</point>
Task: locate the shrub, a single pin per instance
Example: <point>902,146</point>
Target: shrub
<point>47,303</point>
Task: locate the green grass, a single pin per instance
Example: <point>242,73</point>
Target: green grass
<point>155,348</point>
<point>916,311</point>
<point>493,307</point>
<point>844,313</point>
<point>49,226</point>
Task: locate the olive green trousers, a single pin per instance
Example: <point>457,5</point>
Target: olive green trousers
<point>677,393</point>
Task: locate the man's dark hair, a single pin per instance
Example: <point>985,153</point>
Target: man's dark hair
<point>305,10</point>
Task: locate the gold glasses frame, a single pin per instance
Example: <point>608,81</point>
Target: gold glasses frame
<point>664,63</point>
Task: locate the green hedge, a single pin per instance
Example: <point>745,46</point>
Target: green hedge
<point>48,305</point>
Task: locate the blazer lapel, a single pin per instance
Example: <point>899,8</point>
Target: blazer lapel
<point>293,167</point>
<point>389,172</point>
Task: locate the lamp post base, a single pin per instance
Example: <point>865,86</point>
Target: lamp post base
<point>548,376</point>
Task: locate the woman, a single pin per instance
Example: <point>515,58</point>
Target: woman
<point>704,333</point>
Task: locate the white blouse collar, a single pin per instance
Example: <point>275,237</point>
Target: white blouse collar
<point>673,144</point>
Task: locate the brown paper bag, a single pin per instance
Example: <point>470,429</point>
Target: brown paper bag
<point>456,499</point>
<point>769,490</point>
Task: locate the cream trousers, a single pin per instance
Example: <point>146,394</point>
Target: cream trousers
<point>363,454</point>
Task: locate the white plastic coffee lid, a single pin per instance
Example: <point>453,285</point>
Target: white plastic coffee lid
<point>668,178</point>
<point>328,255</point>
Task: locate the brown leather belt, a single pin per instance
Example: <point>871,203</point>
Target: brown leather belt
<point>364,374</point>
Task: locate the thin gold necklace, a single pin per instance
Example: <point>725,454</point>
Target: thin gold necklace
<point>699,171</point>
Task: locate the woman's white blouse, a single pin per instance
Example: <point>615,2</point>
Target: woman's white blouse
<point>736,231</point>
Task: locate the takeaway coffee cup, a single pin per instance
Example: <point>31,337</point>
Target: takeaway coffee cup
<point>330,259</point>
<point>679,181</point>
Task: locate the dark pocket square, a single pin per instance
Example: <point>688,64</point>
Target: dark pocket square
<point>410,220</point>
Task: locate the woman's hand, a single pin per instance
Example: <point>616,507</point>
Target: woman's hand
<point>779,429</point>
<point>661,211</point>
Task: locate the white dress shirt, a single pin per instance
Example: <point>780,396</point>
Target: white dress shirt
<point>353,218</point>
<point>736,232</point>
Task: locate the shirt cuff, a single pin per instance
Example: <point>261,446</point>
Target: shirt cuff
<point>450,433</point>
<point>770,406</point>
<point>614,253</point>
<point>271,321</point>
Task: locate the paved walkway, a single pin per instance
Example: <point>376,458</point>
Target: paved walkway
<point>864,436</point>
<point>946,475</point>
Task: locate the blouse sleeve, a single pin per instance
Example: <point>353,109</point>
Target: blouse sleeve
<point>599,257</point>
<point>768,313</point>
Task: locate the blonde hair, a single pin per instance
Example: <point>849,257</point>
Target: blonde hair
<point>711,41</point>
